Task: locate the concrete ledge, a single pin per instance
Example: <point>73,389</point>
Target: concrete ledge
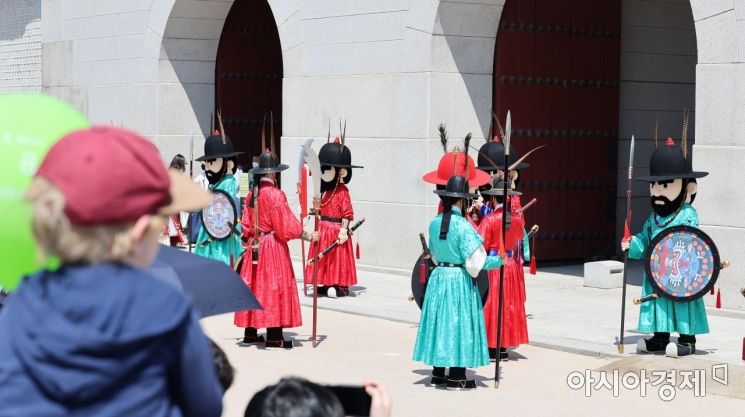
<point>603,274</point>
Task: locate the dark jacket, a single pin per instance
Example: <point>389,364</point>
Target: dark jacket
<point>103,340</point>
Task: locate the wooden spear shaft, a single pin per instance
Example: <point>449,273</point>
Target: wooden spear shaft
<point>626,252</point>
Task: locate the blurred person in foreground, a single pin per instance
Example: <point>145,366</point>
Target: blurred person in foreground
<point>297,397</point>
<point>100,335</point>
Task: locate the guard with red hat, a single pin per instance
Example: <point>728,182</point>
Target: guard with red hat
<point>219,242</point>
<point>456,162</point>
<point>336,270</point>
<point>268,224</point>
<point>672,185</point>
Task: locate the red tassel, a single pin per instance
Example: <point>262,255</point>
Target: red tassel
<point>743,348</point>
<point>719,298</point>
<point>303,193</point>
<point>231,260</point>
<point>422,272</point>
<point>626,228</point>
<point>712,290</point>
<point>357,250</point>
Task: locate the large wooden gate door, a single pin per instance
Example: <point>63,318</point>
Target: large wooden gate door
<point>556,67</point>
<point>248,75</point>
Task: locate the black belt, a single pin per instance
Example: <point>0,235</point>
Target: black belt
<point>331,219</point>
<point>449,265</point>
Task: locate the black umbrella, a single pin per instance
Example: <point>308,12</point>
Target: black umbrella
<point>213,286</point>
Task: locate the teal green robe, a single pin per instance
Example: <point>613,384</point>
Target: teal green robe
<point>451,328</point>
<point>223,249</point>
<point>662,314</point>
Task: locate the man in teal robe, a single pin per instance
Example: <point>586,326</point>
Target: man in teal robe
<point>672,187</point>
<point>219,162</point>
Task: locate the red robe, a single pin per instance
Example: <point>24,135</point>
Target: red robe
<point>273,279</point>
<point>514,322</point>
<point>338,266</point>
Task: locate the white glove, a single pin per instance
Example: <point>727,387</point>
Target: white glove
<point>343,236</point>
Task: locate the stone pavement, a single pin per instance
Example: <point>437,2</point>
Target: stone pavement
<point>562,314</point>
<point>534,381</point>
<point>572,329</point>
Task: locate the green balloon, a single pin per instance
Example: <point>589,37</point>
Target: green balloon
<point>29,125</point>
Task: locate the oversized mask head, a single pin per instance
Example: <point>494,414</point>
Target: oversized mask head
<point>668,195</point>
<point>215,169</point>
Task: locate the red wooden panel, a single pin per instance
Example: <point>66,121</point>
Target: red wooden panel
<point>557,68</point>
<point>248,75</point>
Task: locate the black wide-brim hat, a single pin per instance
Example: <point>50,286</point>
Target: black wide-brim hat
<point>333,155</point>
<point>215,148</point>
<point>491,157</point>
<point>668,163</point>
<point>456,187</point>
<point>499,192</point>
<point>268,163</point>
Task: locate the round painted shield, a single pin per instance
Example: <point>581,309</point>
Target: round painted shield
<point>418,289</point>
<point>220,217</point>
<point>682,263</point>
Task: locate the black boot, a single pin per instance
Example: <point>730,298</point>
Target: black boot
<point>438,376</point>
<point>322,291</point>
<point>338,291</point>
<point>275,339</point>
<point>686,346</point>
<point>503,353</point>
<point>657,343</point>
<point>457,379</point>
<point>250,336</point>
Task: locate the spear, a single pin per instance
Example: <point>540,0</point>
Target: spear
<point>506,141</point>
<point>191,176</point>
<point>626,237</point>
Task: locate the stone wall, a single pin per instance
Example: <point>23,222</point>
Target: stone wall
<point>395,69</point>
<point>658,81</point>
<point>20,46</point>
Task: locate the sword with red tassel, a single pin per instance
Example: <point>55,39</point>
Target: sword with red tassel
<point>626,238</point>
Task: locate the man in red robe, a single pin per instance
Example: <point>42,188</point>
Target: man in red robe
<point>514,324</point>
<point>337,270</point>
<point>267,268</point>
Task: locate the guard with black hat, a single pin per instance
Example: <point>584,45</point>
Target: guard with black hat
<point>219,238</point>
<point>514,322</point>
<point>672,185</point>
<point>336,270</point>
<point>451,328</point>
<point>268,224</point>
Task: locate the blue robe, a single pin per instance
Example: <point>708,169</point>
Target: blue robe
<point>223,249</point>
<point>663,314</point>
<point>451,328</point>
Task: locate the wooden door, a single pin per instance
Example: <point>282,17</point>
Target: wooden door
<point>557,68</point>
<point>248,76</point>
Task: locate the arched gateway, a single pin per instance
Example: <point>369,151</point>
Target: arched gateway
<point>248,75</point>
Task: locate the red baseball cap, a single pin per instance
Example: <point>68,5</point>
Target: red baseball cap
<point>114,176</point>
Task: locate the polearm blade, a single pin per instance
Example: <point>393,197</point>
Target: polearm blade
<point>627,235</point>
<point>300,175</point>
<point>311,158</point>
<point>507,134</point>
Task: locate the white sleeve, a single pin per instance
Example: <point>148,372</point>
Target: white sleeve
<point>476,261</point>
